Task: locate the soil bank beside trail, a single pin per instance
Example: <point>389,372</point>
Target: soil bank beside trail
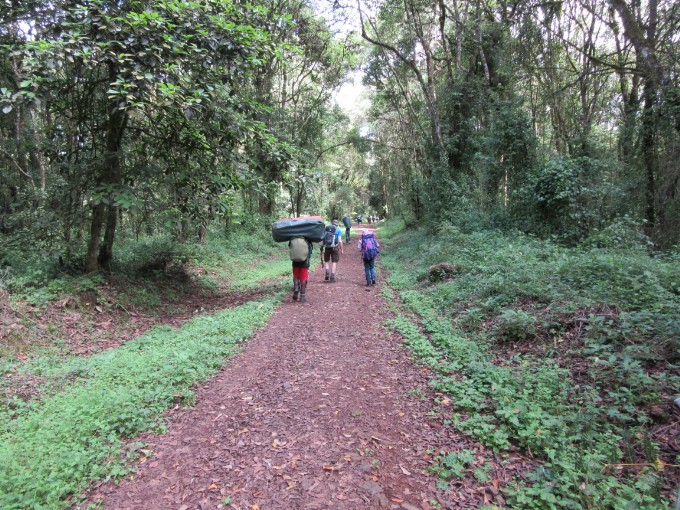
<point>317,412</point>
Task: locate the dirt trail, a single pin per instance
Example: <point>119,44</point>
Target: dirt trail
<point>317,412</point>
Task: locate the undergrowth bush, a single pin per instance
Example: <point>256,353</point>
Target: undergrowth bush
<point>629,281</point>
<point>37,291</point>
<point>515,325</point>
<point>624,234</point>
<point>149,254</point>
<point>513,288</point>
<point>245,257</point>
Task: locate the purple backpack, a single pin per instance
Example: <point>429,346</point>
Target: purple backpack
<point>369,247</point>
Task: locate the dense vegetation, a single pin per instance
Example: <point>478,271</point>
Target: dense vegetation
<point>569,354</point>
<point>136,118</point>
<point>120,120</point>
<point>553,118</point>
<point>145,148</point>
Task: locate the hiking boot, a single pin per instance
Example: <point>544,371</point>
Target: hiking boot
<point>327,276</point>
<point>373,282</point>
<point>368,284</point>
<point>303,299</point>
<point>332,277</point>
<point>295,295</point>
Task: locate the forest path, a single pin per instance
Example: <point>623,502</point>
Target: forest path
<point>317,412</point>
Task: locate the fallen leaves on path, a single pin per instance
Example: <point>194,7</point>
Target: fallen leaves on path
<point>317,412</point>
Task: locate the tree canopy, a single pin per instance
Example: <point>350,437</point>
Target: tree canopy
<point>557,118</point>
<point>131,117</point>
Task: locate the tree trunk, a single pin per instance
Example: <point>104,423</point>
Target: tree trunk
<point>34,152</point>
<point>228,223</point>
<point>631,103</point>
<point>648,150</point>
<point>184,228</point>
<point>110,174</point>
<point>298,200</point>
<point>96,226</point>
<point>427,87</point>
<point>654,77</point>
<point>106,249</point>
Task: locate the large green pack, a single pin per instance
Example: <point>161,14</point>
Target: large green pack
<point>310,228</point>
<point>299,249</point>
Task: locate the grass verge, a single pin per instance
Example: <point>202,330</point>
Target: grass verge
<point>51,449</point>
<point>567,356</point>
<point>245,261</point>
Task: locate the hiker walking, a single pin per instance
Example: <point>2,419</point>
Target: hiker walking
<point>369,248</point>
<point>348,226</point>
<point>332,247</point>
<point>300,253</point>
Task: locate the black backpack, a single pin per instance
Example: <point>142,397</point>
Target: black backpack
<point>329,237</point>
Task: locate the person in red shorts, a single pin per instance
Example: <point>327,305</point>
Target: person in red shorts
<point>300,268</point>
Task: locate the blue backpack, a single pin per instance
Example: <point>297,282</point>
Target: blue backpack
<point>369,247</point>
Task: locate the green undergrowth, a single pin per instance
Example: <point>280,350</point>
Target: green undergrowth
<point>244,259</point>
<point>152,276</point>
<point>148,265</point>
<point>52,448</point>
<point>558,352</point>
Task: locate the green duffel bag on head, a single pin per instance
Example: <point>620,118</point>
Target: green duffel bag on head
<point>310,228</point>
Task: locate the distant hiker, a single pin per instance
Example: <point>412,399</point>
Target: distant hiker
<point>369,248</point>
<point>359,218</point>
<point>348,226</point>
<point>332,247</point>
<point>300,253</point>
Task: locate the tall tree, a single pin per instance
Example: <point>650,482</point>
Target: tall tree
<point>136,61</point>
